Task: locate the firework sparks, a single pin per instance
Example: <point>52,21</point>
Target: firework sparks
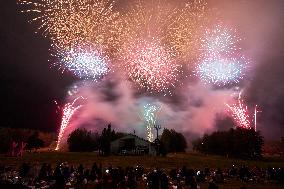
<point>75,88</point>
<point>219,41</point>
<point>72,22</point>
<point>144,20</point>
<point>68,111</point>
<point>58,108</point>
<point>255,116</point>
<point>221,71</point>
<point>143,53</point>
<point>240,113</point>
<point>150,116</point>
<point>184,32</point>
<point>84,62</point>
<point>150,65</point>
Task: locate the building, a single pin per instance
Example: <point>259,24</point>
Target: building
<point>131,144</point>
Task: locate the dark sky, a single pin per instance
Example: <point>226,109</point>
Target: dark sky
<point>29,87</point>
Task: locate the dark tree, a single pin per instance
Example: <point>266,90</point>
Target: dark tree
<point>81,140</point>
<point>34,142</point>
<point>106,138</point>
<point>172,141</point>
<point>18,135</point>
<point>239,142</point>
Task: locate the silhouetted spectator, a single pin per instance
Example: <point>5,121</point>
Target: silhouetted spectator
<point>43,172</point>
<point>164,181</point>
<point>59,178</point>
<point>219,176</point>
<point>24,169</point>
<point>66,171</point>
<point>131,180</point>
<point>212,185</point>
<point>244,173</point>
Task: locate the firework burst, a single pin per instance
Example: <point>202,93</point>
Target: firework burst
<point>151,66</point>
<point>69,23</point>
<point>221,71</point>
<point>150,116</point>
<point>219,41</point>
<point>68,111</point>
<point>143,53</point>
<point>84,62</point>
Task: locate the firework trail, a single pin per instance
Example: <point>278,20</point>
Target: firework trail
<point>72,22</point>
<point>150,116</point>
<point>58,108</point>
<point>221,71</point>
<point>255,116</point>
<point>240,113</point>
<point>85,62</point>
<point>150,66</point>
<point>68,111</point>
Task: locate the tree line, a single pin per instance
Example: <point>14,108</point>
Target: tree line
<point>82,140</point>
<point>34,139</point>
<point>238,143</point>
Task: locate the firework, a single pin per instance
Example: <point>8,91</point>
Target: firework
<point>221,71</point>
<point>143,53</point>
<point>149,64</point>
<point>147,20</point>
<point>68,111</point>
<point>219,41</point>
<point>184,32</point>
<point>240,113</point>
<point>72,22</point>
<point>75,88</point>
<point>84,62</point>
<point>150,116</point>
<point>58,108</point>
<point>255,115</point>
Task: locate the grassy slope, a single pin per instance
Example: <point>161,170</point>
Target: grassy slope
<point>193,160</point>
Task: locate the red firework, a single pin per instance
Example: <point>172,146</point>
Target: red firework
<point>68,111</point>
<point>240,113</point>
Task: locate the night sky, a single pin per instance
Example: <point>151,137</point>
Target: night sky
<point>29,86</point>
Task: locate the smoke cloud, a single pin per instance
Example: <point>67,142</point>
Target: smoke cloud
<point>193,107</point>
<point>115,100</point>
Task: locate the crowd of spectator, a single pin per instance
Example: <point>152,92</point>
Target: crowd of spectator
<point>68,176</point>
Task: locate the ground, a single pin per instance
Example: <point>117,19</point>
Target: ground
<point>192,160</point>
